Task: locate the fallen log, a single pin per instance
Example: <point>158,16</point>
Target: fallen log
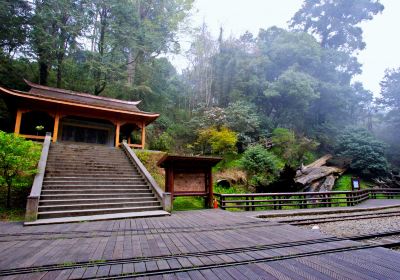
<point>328,184</point>
<point>317,173</point>
<point>318,163</point>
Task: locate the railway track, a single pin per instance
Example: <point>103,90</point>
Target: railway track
<point>337,218</point>
<point>262,254</point>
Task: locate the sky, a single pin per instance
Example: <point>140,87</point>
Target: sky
<point>237,16</point>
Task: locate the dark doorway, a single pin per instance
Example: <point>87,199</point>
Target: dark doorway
<point>84,134</point>
<point>77,129</point>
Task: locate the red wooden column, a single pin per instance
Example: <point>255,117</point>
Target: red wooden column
<point>143,135</point>
<point>117,127</point>
<point>18,121</point>
<point>56,125</point>
<point>169,181</point>
<point>209,187</point>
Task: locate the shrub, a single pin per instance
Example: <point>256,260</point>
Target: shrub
<point>261,166</point>
<point>18,161</point>
<point>366,153</point>
<point>216,141</point>
<point>162,143</point>
<point>291,148</point>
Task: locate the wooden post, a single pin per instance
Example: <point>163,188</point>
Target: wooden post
<point>143,134</point>
<point>56,125</point>
<point>169,181</point>
<point>117,134</point>
<point>18,121</point>
<point>209,188</point>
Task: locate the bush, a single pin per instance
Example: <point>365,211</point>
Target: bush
<point>18,161</point>
<point>366,153</point>
<point>162,143</point>
<point>216,141</point>
<point>294,150</point>
<point>261,166</point>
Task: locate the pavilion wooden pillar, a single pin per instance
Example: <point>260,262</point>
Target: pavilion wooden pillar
<point>117,128</point>
<point>56,125</point>
<point>18,121</point>
<point>143,134</point>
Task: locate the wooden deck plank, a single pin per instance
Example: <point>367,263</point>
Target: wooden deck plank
<point>189,232</point>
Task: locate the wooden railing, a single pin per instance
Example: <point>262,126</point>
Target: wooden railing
<point>301,200</point>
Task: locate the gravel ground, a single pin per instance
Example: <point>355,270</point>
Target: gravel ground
<point>357,227</point>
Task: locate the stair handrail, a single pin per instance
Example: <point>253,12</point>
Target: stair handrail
<point>164,197</point>
<point>32,203</point>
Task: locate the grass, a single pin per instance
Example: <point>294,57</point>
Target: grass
<point>344,183</point>
<point>188,203</point>
<point>12,215</point>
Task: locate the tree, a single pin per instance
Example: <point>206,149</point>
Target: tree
<point>200,72</point>
<point>367,154</point>
<point>56,25</point>
<point>18,160</point>
<point>14,19</point>
<point>390,124</point>
<point>335,22</point>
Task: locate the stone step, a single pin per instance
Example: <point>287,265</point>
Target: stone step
<point>96,186</point>
<point>91,155</point>
<point>75,213</point>
<point>89,163</point>
<point>111,195</point>
<point>98,181</point>
<point>129,177</point>
<point>88,174</point>
<point>95,190</point>
<point>122,200</point>
<point>91,167</point>
<point>92,180</point>
<point>94,206</point>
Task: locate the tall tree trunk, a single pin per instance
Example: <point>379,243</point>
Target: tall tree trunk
<point>131,68</point>
<point>100,85</point>
<point>59,73</point>
<point>8,205</point>
<point>43,72</point>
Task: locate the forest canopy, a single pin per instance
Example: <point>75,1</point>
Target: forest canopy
<point>290,85</point>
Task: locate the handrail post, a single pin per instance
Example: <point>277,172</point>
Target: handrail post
<point>247,204</point>
<point>32,204</point>
<point>222,201</point>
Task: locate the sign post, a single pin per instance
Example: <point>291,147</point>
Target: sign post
<point>189,176</point>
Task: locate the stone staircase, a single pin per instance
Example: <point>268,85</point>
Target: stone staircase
<point>86,180</point>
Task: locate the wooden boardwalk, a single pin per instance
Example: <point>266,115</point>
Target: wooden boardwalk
<point>206,244</point>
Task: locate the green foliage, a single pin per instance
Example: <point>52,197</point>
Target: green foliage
<point>217,141</point>
<point>12,215</point>
<point>261,166</point>
<point>389,129</point>
<point>293,150</point>
<point>366,153</point>
<point>163,142</point>
<point>14,18</point>
<point>18,161</point>
<point>335,23</point>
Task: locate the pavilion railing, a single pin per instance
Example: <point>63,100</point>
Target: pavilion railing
<point>301,200</point>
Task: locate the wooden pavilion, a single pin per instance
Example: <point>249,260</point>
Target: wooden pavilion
<point>76,117</point>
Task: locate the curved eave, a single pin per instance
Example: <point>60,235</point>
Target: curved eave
<point>150,116</point>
